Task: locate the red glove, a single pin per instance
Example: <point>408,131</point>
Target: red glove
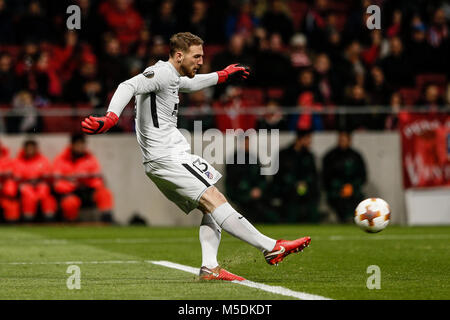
<point>233,71</point>
<point>94,125</point>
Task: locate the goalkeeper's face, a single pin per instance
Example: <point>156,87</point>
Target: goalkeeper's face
<point>192,60</point>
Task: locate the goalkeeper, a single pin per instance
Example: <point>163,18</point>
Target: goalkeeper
<point>186,179</point>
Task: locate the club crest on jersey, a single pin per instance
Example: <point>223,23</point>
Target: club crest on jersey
<point>209,175</point>
<point>149,73</point>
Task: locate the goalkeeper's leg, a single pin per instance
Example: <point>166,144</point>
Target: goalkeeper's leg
<point>216,205</point>
<point>209,235</point>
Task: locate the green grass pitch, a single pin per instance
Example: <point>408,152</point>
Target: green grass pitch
<point>414,263</point>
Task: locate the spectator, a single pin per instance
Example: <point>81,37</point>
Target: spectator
<point>140,53</point>
<point>112,66</point>
<point>378,97</point>
<point>9,83</point>
<point>276,20</point>
<point>90,21</point>
<point>326,78</point>
<point>356,98</point>
<point>33,24</point>
<point>8,188</point>
<point>64,58</point>
<point>349,69</point>
<point>198,109</point>
<point>23,117</point>
<point>372,53</point>
<point>396,66</point>
<point>315,23</point>
<point>243,21</point>
<point>86,85</point>
<point>235,52</point>
<point>438,37</point>
<point>31,77</point>
<point>158,50</point>
<point>297,181</point>
<point>246,187</point>
<point>279,74</point>
<point>123,19</point>
<point>305,84</point>
<point>344,174</point>
<point>353,64</point>
<point>419,51</point>
<point>198,21</point>
<point>356,24</point>
<point>164,21</point>
<point>431,99</point>
<point>396,104</point>
<point>438,33</point>
<point>78,181</point>
<point>32,173</point>
<point>310,117</point>
<point>273,117</point>
<point>44,69</point>
<point>230,113</point>
<point>7,36</point>
<point>333,46</point>
<point>395,28</point>
<point>379,91</point>
<point>299,55</point>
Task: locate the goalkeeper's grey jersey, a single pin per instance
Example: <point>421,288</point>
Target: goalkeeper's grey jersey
<point>156,91</point>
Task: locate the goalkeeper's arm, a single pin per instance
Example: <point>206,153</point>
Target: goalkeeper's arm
<point>234,71</point>
<point>139,84</point>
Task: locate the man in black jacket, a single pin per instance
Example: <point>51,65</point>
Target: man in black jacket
<point>344,174</point>
<point>297,181</point>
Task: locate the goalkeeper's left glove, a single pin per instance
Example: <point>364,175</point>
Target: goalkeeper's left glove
<point>95,125</point>
<point>233,71</point>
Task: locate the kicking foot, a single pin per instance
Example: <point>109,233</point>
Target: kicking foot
<point>285,247</point>
<point>218,273</point>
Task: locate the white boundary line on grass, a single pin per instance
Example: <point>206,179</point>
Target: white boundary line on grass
<point>261,286</point>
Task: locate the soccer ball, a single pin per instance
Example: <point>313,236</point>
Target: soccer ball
<point>372,215</point>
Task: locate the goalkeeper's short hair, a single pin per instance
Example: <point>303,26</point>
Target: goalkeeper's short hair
<point>183,41</point>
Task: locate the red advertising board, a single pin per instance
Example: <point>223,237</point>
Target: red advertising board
<point>425,149</point>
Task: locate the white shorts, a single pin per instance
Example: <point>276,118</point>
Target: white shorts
<point>183,181</point>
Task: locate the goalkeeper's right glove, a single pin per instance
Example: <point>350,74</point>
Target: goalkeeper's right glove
<point>95,125</point>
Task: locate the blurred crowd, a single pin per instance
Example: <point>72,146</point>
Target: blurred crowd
<point>307,59</point>
<point>33,188</point>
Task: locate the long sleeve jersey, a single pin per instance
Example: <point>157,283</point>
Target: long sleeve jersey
<point>156,91</point>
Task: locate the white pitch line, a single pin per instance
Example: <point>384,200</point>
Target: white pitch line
<point>261,286</point>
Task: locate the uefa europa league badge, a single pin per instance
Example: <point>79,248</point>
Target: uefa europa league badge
<point>149,73</point>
